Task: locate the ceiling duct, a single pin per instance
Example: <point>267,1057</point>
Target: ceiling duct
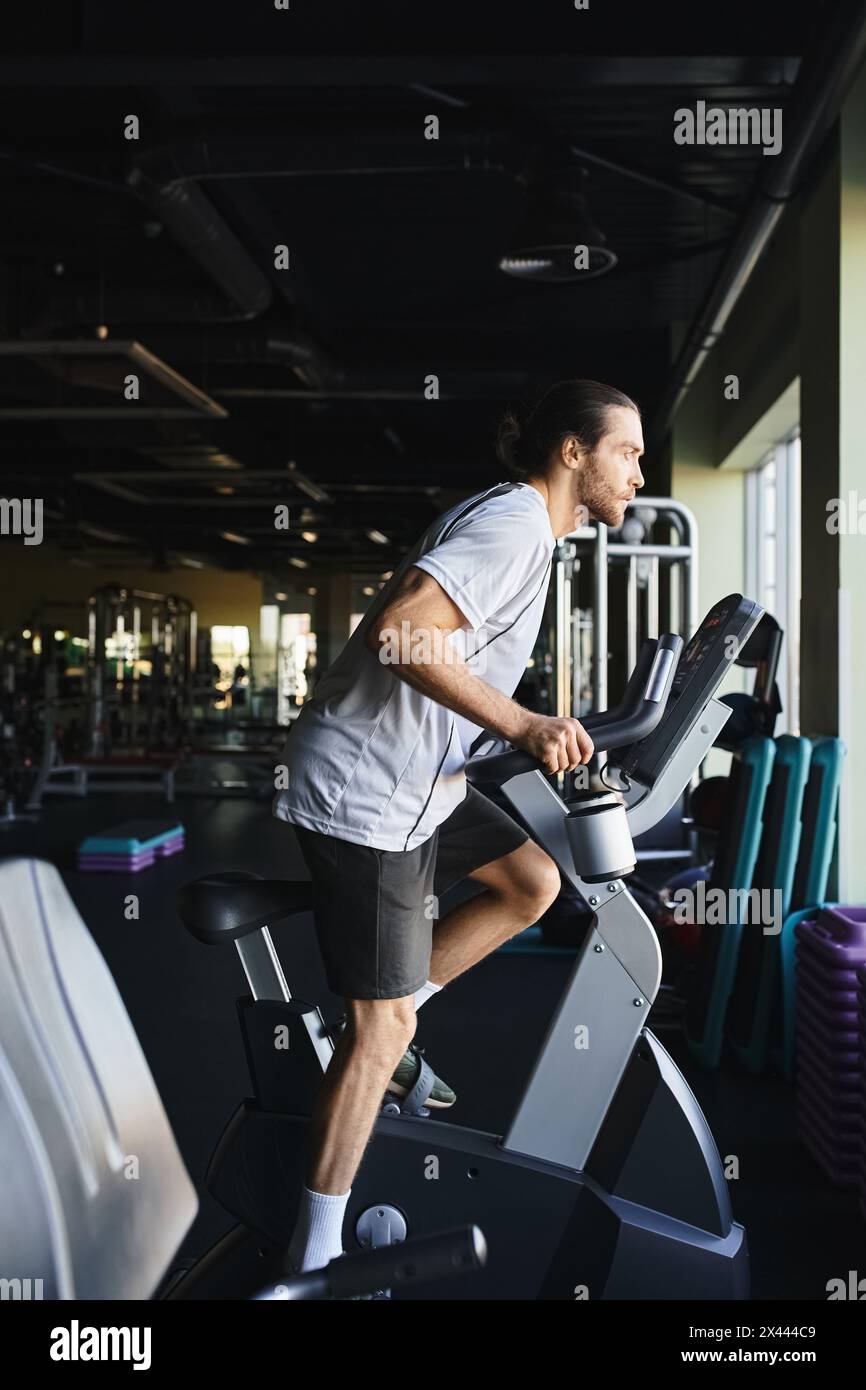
<point>292,347</point>
<point>820,89</point>
<point>191,217</point>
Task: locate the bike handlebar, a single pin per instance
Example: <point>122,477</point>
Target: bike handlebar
<point>637,714</point>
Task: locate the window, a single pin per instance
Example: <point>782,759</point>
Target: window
<point>230,647</point>
<point>773,561</point>
<point>296,658</point>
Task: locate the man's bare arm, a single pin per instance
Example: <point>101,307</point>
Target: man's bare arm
<point>422,616</point>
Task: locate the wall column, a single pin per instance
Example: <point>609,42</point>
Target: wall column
<point>331,613</point>
<point>852,484</point>
<point>833,404</point>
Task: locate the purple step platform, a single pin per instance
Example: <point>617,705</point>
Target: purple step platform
<point>131,847</point>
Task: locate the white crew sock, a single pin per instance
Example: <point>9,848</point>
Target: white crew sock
<point>426,992</point>
<point>318,1235</point>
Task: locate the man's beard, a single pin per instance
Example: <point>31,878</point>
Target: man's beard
<point>597,495</point>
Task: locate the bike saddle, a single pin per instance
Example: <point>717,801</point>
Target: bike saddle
<point>222,907</point>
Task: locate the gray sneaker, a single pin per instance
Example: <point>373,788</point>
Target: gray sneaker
<point>408,1070</point>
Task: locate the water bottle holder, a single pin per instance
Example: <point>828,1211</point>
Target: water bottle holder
<point>600,839</point>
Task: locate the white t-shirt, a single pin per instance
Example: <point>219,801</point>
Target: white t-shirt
<point>372,760</point>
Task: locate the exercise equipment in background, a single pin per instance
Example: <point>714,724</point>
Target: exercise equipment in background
<point>755,714</point>
<point>21,725</point>
<point>743,986</point>
<point>79,1108</point>
<point>76,1101</point>
<point>734,866</point>
<point>41,713</point>
<point>141,669</point>
<point>130,847</point>
<point>756,982</point>
<point>817,844</point>
<point>109,713</point>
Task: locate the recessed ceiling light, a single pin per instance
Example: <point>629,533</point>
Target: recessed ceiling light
<point>235,539</point>
<point>525,265</point>
<point>377,537</point>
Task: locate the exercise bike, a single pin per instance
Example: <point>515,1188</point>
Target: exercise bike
<point>95,1198</point>
<point>607,1183</point>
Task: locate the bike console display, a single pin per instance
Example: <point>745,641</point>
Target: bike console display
<point>665,696</point>
<point>702,667</point>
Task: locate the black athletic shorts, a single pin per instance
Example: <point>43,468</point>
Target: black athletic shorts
<point>375,909</point>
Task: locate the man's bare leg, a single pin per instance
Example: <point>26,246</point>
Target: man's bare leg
<point>376,1035</point>
<point>518,888</point>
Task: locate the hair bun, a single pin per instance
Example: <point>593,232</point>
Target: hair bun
<point>508,437</point>
<point>526,443</point>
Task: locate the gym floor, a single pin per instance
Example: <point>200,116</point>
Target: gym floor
<point>480,1034</point>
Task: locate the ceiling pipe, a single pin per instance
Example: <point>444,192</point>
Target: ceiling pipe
<point>168,180</point>
<point>292,347</point>
<point>814,105</point>
<point>253,149</point>
<point>192,219</point>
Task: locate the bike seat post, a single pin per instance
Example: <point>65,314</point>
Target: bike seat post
<point>261,965</point>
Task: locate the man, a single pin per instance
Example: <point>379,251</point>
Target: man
<point>376,786</point>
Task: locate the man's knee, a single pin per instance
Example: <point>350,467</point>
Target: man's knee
<point>537,885</point>
<point>381,1028</point>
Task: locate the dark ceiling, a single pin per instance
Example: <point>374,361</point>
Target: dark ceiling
<point>306,129</point>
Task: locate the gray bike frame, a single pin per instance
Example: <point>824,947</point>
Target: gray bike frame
<point>615,978</point>
<point>612,986</point>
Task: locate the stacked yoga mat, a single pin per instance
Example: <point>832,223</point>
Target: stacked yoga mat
<point>774,850</point>
<point>130,847</point>
<point>861,997</point>
<point>831,1043</point>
